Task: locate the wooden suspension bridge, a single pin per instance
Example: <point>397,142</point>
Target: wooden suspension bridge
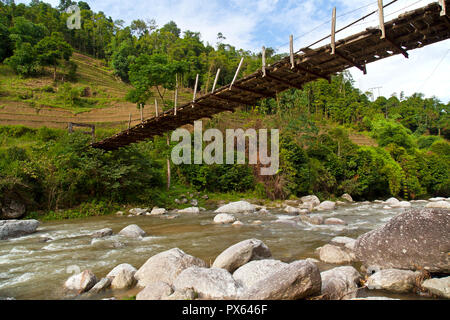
<point>411,30</point>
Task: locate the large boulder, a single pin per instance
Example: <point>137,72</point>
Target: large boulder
<point>326,205</point>
<point>391,201</point>
<point>298,280</point>
<point>340,283</point>
<point>132,231</point>
<point>17,228</point>
<point>81,282</point>
<point>439,287</point>
<point>158,211</point>
<point>292,210</point>
<point>255,271</point>
<point>336,254</point>
<point>241,253</point>
<point>12,209</point>
<point>439,204</point>
<point>155,291</point>
<point>208,283</point>
<point>400,281</point>
<point>237,207</point>
<point>166,266</point>
<point>224,218</point>
<point>416,239</point>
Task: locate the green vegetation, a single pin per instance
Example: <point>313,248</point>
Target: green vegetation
<point>405,153</point>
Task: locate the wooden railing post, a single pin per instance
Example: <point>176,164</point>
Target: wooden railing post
<point>215,80</point>
<point>263,61</point>
<point>381,16</point>
<point>333,32</point>
<point>195,90</point>
<point>291,50</point>
<point>237,73</point>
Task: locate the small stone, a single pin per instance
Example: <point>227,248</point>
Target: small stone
<point>439,287</point>
<point>102,233</point>
<point>191,210</point>
<point>101,286</point>
<point>335,221</point>
<point>123,280</point>
<point>224,218</point>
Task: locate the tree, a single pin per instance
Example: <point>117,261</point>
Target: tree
<point>51,50</point>
<point>23,61</point>
<point>172,28</point>
<point>5,49</point>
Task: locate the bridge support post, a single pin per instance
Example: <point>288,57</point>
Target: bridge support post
<point>195,90</point>
<point>444,10</point>
<point>381,16</point>
<point>263,57</point>
<point>291,50</point>
<point>237,73</point>
<point>176,95</point>
<point>333,32</point>
<point>215,80</point>
<point>129,122</point>
<point>142,112</point>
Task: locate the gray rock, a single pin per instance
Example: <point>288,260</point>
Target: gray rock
<point>224,218</point>
<point>132,231</point>
<point>124,266</point>
<point>166,266</point>
<point>238,224</point>
<point>17,228</point>
<point>102,233</point>
<point>346,242</point>
<point>326,205</point>
<point>400,281</point>
<point>336,255</point>
<point>437,199</point>
<point>101,286</point>
<point>335,221</point>
<point>123,280</point>
<point>415,239</point>
<point>208,283</point>
<point>292,210</point>
<point>194,202</point>
<point>439,287</point>
<point>340,283</point>
<point>298,280</point>
<point>12,209</point>
<point>81,282</point>
<point>316,220</point>
<point>255,271</point>
<point>138,211</point>
<point>401,204</point>
<point>155,291</point>
<point>241,253</point>
<point>237,207</point>
<point>205,197</point>
<point>347,197</point>
<point>184,295</point>
<point>391,201</point>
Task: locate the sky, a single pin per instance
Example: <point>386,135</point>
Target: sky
<point>251,24</point>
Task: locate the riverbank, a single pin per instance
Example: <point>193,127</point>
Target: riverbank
<point>38,265</point>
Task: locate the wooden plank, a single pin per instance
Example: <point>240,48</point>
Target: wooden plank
<point>397,47</point>
<point>316,74</point>
<point>352,62</point>
<point>285,82</point>
<point>381,17</point>
<point>215,80</point>
<point>333,32</point>
<point>259,93</point>
<point>237,73</point>
<point>237,101</point>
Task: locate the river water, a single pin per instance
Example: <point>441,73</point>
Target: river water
<point>36,266</point>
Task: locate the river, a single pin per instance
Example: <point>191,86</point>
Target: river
<point>36,266</point>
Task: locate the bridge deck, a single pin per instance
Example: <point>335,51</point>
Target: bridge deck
<point>411,30</point>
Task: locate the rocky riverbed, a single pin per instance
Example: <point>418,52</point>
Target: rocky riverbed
<point>299,249</point>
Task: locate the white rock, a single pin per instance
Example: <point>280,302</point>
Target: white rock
<point>335,221</point>
<point>346,242</point>
<point>193,210</point>
<point>81,282</point>
<point>340,283</point>
<point>311,199</point>
<point>241,253</point>
<point>386,208</point>
<point>263,211</point>
<point>132,231</point>
<point>255,271</point>
<point>224,218</point>
<point>155,291</point>
<point>237,207</point>
<point>166,266</point>
<point>123,280</point>
<point>102,233</point>
<point>437,199</point>
<point>101,286</point>
<point>347,197</point>
<point>391,201</point>
<point>208,283</point>
<point>292,210</point>
<point>400,281</point>
<point>138,211</point>
<point>158,211</point>
<point>401,204</point>
<point>439,287</point>
<point>238,224</point>
<point>336,255</point>
<point>17,228</point>
<point>326,205</point>
<point>124,266</point>
<point>439,204</point>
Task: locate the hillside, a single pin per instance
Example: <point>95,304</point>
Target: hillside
<point>37,102</point>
